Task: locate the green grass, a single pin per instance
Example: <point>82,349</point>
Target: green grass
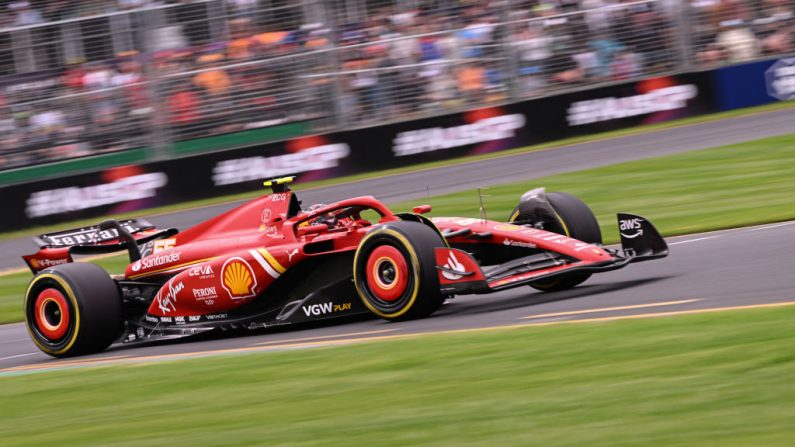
<point>461,160</point>
<point>743,184</point>
<point>731,186</point>
<point>721,379</point>
<point>13,286</point>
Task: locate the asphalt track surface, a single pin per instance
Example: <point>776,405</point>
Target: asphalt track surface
<point>745,267</point>
<point>513,168</point>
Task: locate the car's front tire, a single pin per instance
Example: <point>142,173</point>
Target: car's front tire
<point>394,271</point>
<point>73,309</point>
<point>573,219</point>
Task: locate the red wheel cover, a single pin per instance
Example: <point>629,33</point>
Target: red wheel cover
<point>387,257</point>
<point>52,298</point>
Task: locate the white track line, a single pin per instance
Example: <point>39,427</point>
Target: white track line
<point>610,309</point>
<point>693,240</point>
<point>18,355</point>
<point>767,227</point>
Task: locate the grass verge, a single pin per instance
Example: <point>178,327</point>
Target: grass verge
<point>731,186</point>
<point>367,175</point>
<point>711,379</point>
<point>726,187</point>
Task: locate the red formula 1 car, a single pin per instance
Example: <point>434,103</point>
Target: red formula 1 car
<point>268,262</point>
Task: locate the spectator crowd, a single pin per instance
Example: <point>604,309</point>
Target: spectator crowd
<point>278,61</point>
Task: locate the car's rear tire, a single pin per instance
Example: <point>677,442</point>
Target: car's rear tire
<point>73,309</point>
<point>574,219</point>
<point>394,271</point>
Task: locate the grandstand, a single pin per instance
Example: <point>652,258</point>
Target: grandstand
<point>79,78</point>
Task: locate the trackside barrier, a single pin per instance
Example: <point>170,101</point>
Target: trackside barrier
<point>485,130</point>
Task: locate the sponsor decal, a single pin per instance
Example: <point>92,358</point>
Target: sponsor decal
<point>238,278</point>
<point>437,138</point>
<point>179,320</point>
<point>205,293</point>
<point>75,198</point>
<point>290,254</point>
<point>508,227</point>
<point>632,226</point>
<point>165,301</point>
<point>151,319</point>
<point>215,316</point>
<point>44,263</point>
<point>780,79</point>
<point>203,271</point>
<point>194,318</point>
<point>556,238</point>
<point>278,197</point>
<point>455,265</point>
<point>147,249</point>
<point>606,109</point>
<point>163,244</point>
<point>156,261</point>
<point>241,170</point>
<point>325,308</point>
<point>91,235</point>
<point>341,307</point>
<point>512,243</point>
<point>318,309</point>
<point>269,230</point>
<point>266,216</point>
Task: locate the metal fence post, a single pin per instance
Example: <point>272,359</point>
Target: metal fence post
<point>160,137</point>
<point>333,61</point>
<point>510,64</point>
<point>685,41</point>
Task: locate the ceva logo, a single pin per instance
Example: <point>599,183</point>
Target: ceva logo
<point>780,79</point>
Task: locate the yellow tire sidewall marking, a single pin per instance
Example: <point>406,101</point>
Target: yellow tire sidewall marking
<point>415,266</point>
<point>66,288</point>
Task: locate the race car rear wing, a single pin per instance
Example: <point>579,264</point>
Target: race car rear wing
<point>107,237</point>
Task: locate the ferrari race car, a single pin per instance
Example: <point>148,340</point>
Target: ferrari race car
<point>269,262</point>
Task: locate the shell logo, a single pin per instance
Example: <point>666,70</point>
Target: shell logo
<point>238,278</point>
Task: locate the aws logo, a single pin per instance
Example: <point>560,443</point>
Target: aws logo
<point>238,278</point>
<point>630,228</point>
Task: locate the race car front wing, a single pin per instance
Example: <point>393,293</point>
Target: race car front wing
<point>460,273</point>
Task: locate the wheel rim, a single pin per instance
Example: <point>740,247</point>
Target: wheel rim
<point>52,314</point>
<point>387,273</point>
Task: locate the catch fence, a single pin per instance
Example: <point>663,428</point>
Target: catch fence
<point>163,75</point>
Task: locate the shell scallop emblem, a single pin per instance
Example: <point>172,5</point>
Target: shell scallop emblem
<point>238,278</point>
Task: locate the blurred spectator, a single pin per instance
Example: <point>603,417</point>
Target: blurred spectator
<point>266,62</point>
<point>25,14</point>
<point>241,44</point>
<point>731,22</point>
<point>738,42</point>
<point>775,26</point>
<point>212,79</point>
<point>472,82</point>
<point>183,107</point>
<point>47,124</point>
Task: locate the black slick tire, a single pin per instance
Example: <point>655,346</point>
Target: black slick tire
<point>73,309</point>
<point>576,220</point>
<point>395,272</point>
